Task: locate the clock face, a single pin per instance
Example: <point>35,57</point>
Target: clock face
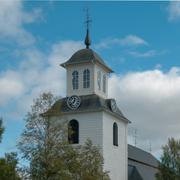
<point>73,102</point>
<point>113,105</point>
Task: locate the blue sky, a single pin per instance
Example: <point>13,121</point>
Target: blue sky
<point>139,40</point>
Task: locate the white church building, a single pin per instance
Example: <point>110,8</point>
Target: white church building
<point>91,114</point>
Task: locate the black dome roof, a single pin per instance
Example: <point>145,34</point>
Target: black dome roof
<point>85,55</point>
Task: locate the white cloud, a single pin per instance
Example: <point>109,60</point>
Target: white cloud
<point>174,11</point>
<point>38,72</point>
<point>146,54</point>
<point>11,86</point>
<point>12,19</point>
<point>130,40</point>
<point>158,66</point>
<point>150,99</point>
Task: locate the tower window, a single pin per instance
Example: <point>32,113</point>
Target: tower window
<point>115,134</point>
<point>73,132</point>
<point>104,83</point>
<point>99,80</point>
<point>75,79</point>
<point>86,78</point>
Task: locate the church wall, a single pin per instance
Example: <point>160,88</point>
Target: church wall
<point>93,89</point>
<point>90,126</point>
<point>80,91</point>
<point>115,157</point>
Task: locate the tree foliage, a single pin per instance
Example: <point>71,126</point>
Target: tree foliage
<point>44,144</point>
<point>169,167</point>
<point>91,163</point>
<point>8,164</point>
<point>1,129</point>
<point>8,167</point>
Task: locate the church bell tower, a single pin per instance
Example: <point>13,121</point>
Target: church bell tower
<point>86,73</point>
<point>89,111</point>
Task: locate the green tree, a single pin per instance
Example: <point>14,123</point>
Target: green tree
<point>44,144</point>
<point>8,166</point>
<point>1,129</point>
<point>91,163</point>
<point>169,166</point>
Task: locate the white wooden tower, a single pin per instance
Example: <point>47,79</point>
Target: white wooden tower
<point>91,114</point>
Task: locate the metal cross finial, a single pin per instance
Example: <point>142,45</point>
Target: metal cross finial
<point>88,21</point>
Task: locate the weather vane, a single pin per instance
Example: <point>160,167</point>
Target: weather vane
<point>87,22</point>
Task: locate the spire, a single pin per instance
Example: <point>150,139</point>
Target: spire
<point>87,40</point>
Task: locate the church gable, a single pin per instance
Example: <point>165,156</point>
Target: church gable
<point>146,164</point>
<point>133,173</point>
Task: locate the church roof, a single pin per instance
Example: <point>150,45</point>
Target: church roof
<point>89,103</point>
<point>86,55</point>
<point>140,156</point>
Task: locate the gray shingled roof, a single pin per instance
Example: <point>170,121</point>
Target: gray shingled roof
<point>85,55</point>
<point>141,156</point>
<point>89,103</point>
